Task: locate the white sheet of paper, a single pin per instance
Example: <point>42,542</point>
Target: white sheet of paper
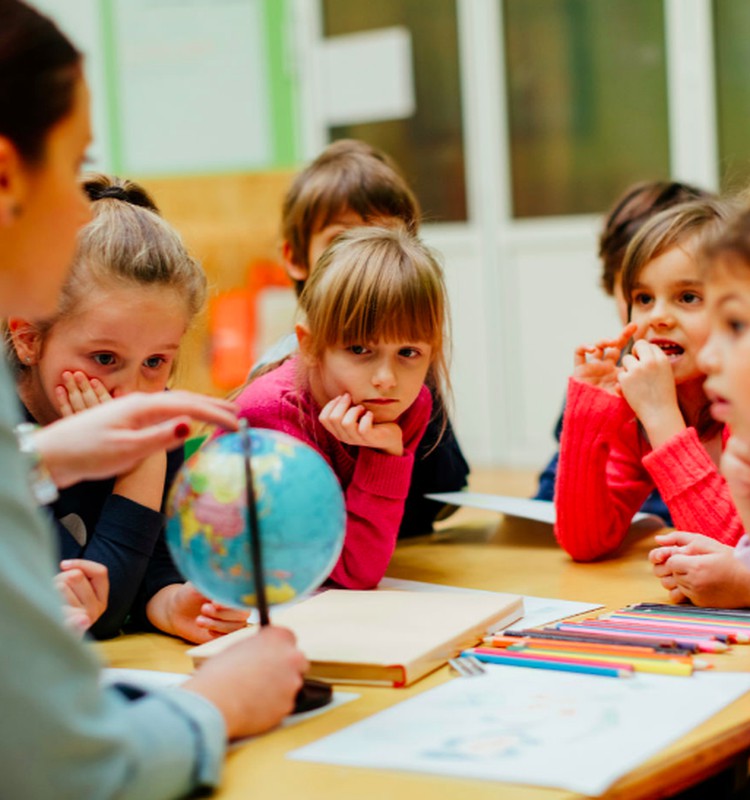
<point>539,510</point>
<point>367,76</point>
<point>537,610</point>
<point>535,727</point>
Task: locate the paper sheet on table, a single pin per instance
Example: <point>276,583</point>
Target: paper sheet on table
<point>539,510</point>
<point>152,679</point>
<point>555,729</point>
<point>538,611</point>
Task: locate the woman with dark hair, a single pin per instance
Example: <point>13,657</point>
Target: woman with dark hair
<point>66,736</point>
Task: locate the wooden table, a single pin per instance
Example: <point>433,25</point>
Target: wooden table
<point>484,551</point>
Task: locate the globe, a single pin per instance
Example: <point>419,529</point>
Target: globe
<point>300,510</point>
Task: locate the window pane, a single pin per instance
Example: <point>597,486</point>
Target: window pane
<point>587,102</point>
<point>731,32</point>
<point>429,146</point>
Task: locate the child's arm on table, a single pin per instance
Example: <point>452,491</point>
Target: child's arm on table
<point>689,482</point>
<point>600,480</point>
<point>378,489</point>
<point>181,610</point>
<point>84,586</point>
<point>700,569</point>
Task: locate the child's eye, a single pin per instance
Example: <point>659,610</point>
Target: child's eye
<point>358,349</point>
<point>641,299</point>
<point>154,362</point>
<point>691,298</point>
<point>736,326</point>
<point>409,352</point>
<point>104,359</point>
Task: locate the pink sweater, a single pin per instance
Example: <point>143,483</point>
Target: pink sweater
<point>607,469</point>
<point>375,484</point>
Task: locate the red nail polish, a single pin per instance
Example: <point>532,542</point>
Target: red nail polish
<point>182,429</point>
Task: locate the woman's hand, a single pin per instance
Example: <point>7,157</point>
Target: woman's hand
<point>84,586</point>
<point>115,436</point>
<point>597,364</point>
<point>254,682</point>
<point>79,392</point>
<point>181,610</point>
<point>354,425</point>
<point>647,384</point>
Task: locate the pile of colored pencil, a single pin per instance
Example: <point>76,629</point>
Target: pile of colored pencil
<point>648,637</point>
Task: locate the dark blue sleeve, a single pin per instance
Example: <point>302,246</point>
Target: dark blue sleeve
<point>123,540</point>
<point>546,487</point>
<point>439,466</point>
<point>161,570</point>
<point>654,504</point>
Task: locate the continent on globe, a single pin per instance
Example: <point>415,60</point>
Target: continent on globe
<point>301,517</point>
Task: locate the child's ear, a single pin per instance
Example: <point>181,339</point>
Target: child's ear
<point>27,340</point>
<point>304,340</point>
<point>296,272</point>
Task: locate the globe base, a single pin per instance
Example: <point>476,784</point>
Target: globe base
<point>312,695</point>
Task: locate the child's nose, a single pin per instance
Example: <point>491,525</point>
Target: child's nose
<point>708,358</point>
<point>661,316</point>
<point>384,376</point>
<point>127,384</point>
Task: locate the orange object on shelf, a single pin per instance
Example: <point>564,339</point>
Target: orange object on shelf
<point>233,324</point>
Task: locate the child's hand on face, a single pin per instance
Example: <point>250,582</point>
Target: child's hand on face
<point>647,384</point>
<point>79,392</point>
<point>354,425</point>
<point>694,567</point>
<point>183,611</point>
<point>597,364</point>
<point>84,586</point>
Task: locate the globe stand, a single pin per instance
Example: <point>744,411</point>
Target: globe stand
<point>313,694</point>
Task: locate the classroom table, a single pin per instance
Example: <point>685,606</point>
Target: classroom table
<point>478,550</point>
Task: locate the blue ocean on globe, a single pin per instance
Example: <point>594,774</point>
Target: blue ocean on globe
<point>301,516</point>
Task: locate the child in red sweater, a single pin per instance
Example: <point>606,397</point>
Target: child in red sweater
<point>371,342</point>
<point>638,420</point>
<point>692,566</point>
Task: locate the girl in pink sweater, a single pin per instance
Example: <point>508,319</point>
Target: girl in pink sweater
<point>370,339</point>
<point>640,419</point>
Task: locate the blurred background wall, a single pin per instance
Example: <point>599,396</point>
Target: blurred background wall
<point>517,122</point>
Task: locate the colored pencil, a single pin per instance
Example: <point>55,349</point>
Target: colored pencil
<point>743,613</point>
<point>667,666</point>
<point>536,663</point>
<point>563,658</point>
<point>723,634</point>
<point>718,619</point>
<point>703,644</point>
<point>594,647</point>
<point>737,634</point>
<point>604,650</point>
<point>665,645</point>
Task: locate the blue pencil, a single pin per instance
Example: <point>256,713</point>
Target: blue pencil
<point>535,663</point>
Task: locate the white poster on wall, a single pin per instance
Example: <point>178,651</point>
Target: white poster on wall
<point>193,85</point>
<point>367,76</point>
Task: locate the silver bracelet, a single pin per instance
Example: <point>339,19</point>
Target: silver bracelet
<point>42,486</point>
